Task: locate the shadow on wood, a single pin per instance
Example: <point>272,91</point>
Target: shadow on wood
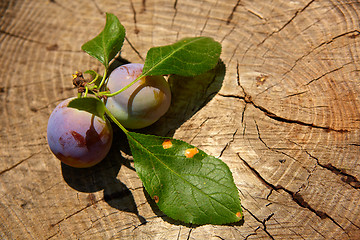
<point>103,176</point>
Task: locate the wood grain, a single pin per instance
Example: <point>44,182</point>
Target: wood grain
<point>283,113</point>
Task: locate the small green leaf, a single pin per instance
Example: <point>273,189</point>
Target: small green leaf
<point>90,104</point>
<point>188,57</point>
<point>108,43</point>
<point>186,183</point>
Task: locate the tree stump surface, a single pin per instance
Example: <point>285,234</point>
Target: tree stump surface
<point>285,118</point>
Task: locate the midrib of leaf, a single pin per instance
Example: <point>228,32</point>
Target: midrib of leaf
<point>175,173</point>
<point>170,54</point>
<point>104,49</point>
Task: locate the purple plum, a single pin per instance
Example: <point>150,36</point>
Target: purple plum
<point>143,103</point>
<point>78,138</point>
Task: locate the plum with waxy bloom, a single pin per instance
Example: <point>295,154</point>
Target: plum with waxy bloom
<point>78,138</point>
<point>143,103</point>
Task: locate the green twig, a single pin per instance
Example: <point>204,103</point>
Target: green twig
<point>103,79</point>
<point>86,91</point>
<point>124,88</point>
<point>116,121</point>
<point>95,79</point>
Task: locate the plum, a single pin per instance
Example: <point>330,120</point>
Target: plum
<point>78,138</point>
<point>143,103</point>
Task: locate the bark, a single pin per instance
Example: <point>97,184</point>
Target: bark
<point>282,112</point>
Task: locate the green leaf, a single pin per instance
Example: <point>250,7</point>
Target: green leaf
<point>90,104</point>
<point>108,43</point>
<point>188,57</point>
<point>196,189</point>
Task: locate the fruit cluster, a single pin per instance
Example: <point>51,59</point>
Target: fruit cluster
<point>132,96</point>
<point>81,139</point>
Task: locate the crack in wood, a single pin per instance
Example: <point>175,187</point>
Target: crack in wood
<point>133,48</point>
<point>248,100</point>
<point>175,12</point>
<point>354,144</point>
<point>269,194</point>
<point>143,222</point>
<point>143,6</point>
<point>347,178</point>
<point>228,143</point>
<point>178,236</point>
<point>97,7</point>
<point>21,37</point>
<point>219,237</point>
<point>206,21</point>
<point>232,12</point>
<point>353,34</point>
<point>76,212</point>
<point>228,34</point>
<point>252,234</point>
<point>125,228</point>
<point>94,221</point>
<point>288,22</point>
<point>263,222</point>
<point>297,234</point>
<point>136,30</point>
<point>18,163</point>
<point>273,116</point>
<point>53,235</point>
<point>243,115</point>
<point>355,225</point>
<point>276,150</point>
<point>296,196</point>
<point>190,231</point>
<point>327,73</point>
<point>296,94</point>
<point>318,232</point>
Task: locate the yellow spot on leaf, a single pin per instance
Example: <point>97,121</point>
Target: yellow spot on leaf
<point>156,198</point>
<point>239,214</point>
<point>167,144</point>
<point>190,152</point>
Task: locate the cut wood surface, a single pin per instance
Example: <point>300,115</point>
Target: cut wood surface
<point>283,112</point>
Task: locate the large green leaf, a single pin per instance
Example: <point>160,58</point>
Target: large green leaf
<point>108,43</point>
<point>188,57</point>
<point>196,189</point>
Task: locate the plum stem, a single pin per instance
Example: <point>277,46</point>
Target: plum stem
<point>103,79</point>
<point>86,91</point>
<point>95,79</point>
<point>116,121</point>
<point>124,88</point>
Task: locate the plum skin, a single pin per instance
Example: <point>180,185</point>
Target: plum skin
<point>143,103</point>
<point>78,138</point>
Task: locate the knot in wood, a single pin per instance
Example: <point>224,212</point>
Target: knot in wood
<point>248,99</point>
